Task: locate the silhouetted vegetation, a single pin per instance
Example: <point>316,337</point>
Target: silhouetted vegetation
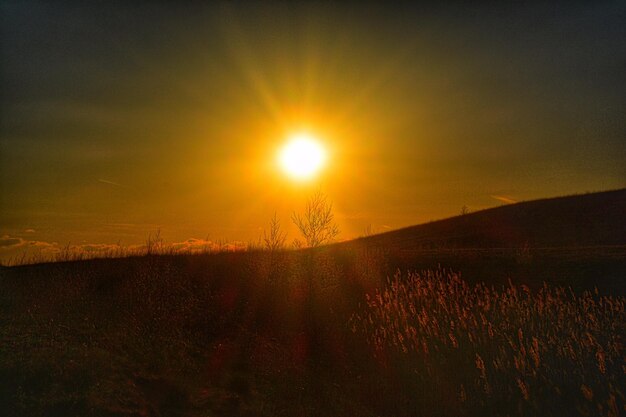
<point>322,331</point>
<point>275,238</point>
<point>508,351</point>
<point>317,224</point>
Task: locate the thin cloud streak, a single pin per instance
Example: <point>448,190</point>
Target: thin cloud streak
<point>504,199</point>
<point>110,183</point>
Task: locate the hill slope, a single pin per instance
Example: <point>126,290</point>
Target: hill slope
<point>328,332</point>
<point>596,219</point>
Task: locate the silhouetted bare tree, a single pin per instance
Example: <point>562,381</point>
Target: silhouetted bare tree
<point>275,238</point>
<point>316,223</point>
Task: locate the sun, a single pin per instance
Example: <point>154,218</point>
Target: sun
<point>302,157</point>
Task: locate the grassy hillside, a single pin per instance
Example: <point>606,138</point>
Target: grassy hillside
<point>292,334</point>
<point>333,331</point>
<point>577,241</point>
<point>595,219</point>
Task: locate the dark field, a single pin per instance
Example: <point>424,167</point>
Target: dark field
<point>274,334</point>
<point>354,329</point>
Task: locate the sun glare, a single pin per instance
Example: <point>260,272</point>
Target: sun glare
<point>302,156</point>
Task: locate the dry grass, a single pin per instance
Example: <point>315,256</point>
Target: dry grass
<point>281,333</point>
<point>506,351</point>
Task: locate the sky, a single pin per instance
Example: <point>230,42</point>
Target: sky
<point>120,119</point>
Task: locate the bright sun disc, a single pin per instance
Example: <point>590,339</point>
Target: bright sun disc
<point>302,157</point>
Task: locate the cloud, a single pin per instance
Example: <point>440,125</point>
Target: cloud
<point>102,248</point>
<point>39,244</point>
<point>194,245</point>
<point>233,246</point>
<point>504,199</point>
<point>110,182</point>
<point>191,245</point>
<point>29,231</point>
<point>7,241</point>
<point>15,249</point>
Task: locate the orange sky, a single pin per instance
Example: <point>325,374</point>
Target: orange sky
<point>121,120</point>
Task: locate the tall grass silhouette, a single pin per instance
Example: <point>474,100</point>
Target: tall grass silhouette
<point>509,351</point>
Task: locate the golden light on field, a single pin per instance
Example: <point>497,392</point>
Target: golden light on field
<point>302,157</point>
